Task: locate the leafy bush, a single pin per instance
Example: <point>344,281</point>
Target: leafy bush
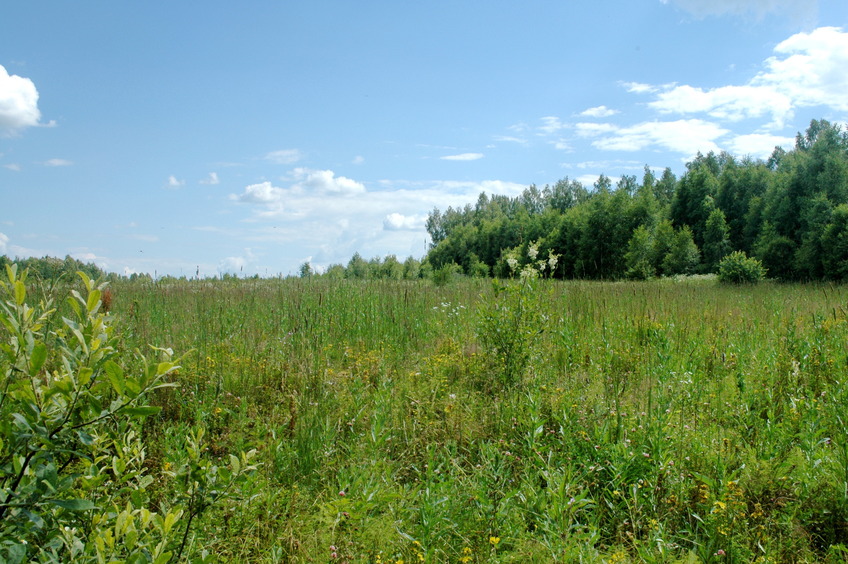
<point>73,478</point>
<point>739,268</point>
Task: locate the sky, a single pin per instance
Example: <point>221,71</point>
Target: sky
<point>202,138</point>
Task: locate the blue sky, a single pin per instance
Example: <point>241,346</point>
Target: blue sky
<point>177,137</point>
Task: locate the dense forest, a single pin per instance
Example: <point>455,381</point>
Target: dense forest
<point>790,212</point>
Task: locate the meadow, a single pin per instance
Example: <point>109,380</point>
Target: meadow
<point>527,420</point>
<point>675,420</point>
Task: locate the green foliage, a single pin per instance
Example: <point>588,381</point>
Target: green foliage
<point>683,256</point>
<point>639,255</point>
<point>776,210</point>
<point>510,324</point>
<point>739,268</point>
<point>73,480</point>
<point>447,274</point>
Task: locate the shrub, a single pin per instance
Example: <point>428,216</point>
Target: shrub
<point>739,268</point>
<point>73,478</point>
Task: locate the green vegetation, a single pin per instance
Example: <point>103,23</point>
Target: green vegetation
<point>669,420</point>
<point>738,268</point>
<point>790,212</point>
<point>74,485</point>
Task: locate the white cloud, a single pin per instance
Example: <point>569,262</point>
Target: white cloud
<point>687,137</point>
<point>604,165</point>
<point>174,183</point>
<point>58,162</point>
<point>358,160</point>
<point>562,145</point>
<point>551,124</point>
<point>807,70</point>
<point>212,179</point>
<point>732,103</point>
<point>326,182</point>
<point>232,265</point>
<point>13,166</point>
<point>598,112</point>
<point>638,87</point>
<point>4,242</point>
<point>263,193</point>
<point>236,265</point>
<point>510,139</point>
<point>310,189</point>
<point>399,222</point>
<point>813,70</point>
<point>758,145</point>
<point>463,157</point>
<point>284,156</point>
<point>18,102</point>
<point>593,129</point>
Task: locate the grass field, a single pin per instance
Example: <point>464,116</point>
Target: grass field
<point>660,421</point>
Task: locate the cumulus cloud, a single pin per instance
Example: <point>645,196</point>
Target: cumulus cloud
<point>758,145</point>
<point>265,194</point>
<point>687,137</point>
<point>463,157</point>
<point>308,189</point>
<point>598,112</point>
<point>399,222</point>
<point>326,182</point>
<point>284,156</point>
<point>18,102</point>
<point>211,180</point>
<point>732,103</point>
<point>807,70</point>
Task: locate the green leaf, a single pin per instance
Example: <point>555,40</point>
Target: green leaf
<point>39,355</point>
<point>142,411</point>
<point>93,300</point>
<point>164,558</point>
<point>73,504</point>
<point>116,376</point>
<point>85,376</point>
<point>20,292</point>
<point>85,438</point>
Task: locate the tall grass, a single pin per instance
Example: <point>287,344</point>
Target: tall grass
<point>657,421</point>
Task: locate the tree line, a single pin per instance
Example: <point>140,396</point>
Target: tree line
<point>789,211</point>
<point>52,268</point>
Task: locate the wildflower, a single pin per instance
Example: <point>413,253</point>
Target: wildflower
<point>342,493</point>
<point>533,251</point>
<point>494,540</point>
